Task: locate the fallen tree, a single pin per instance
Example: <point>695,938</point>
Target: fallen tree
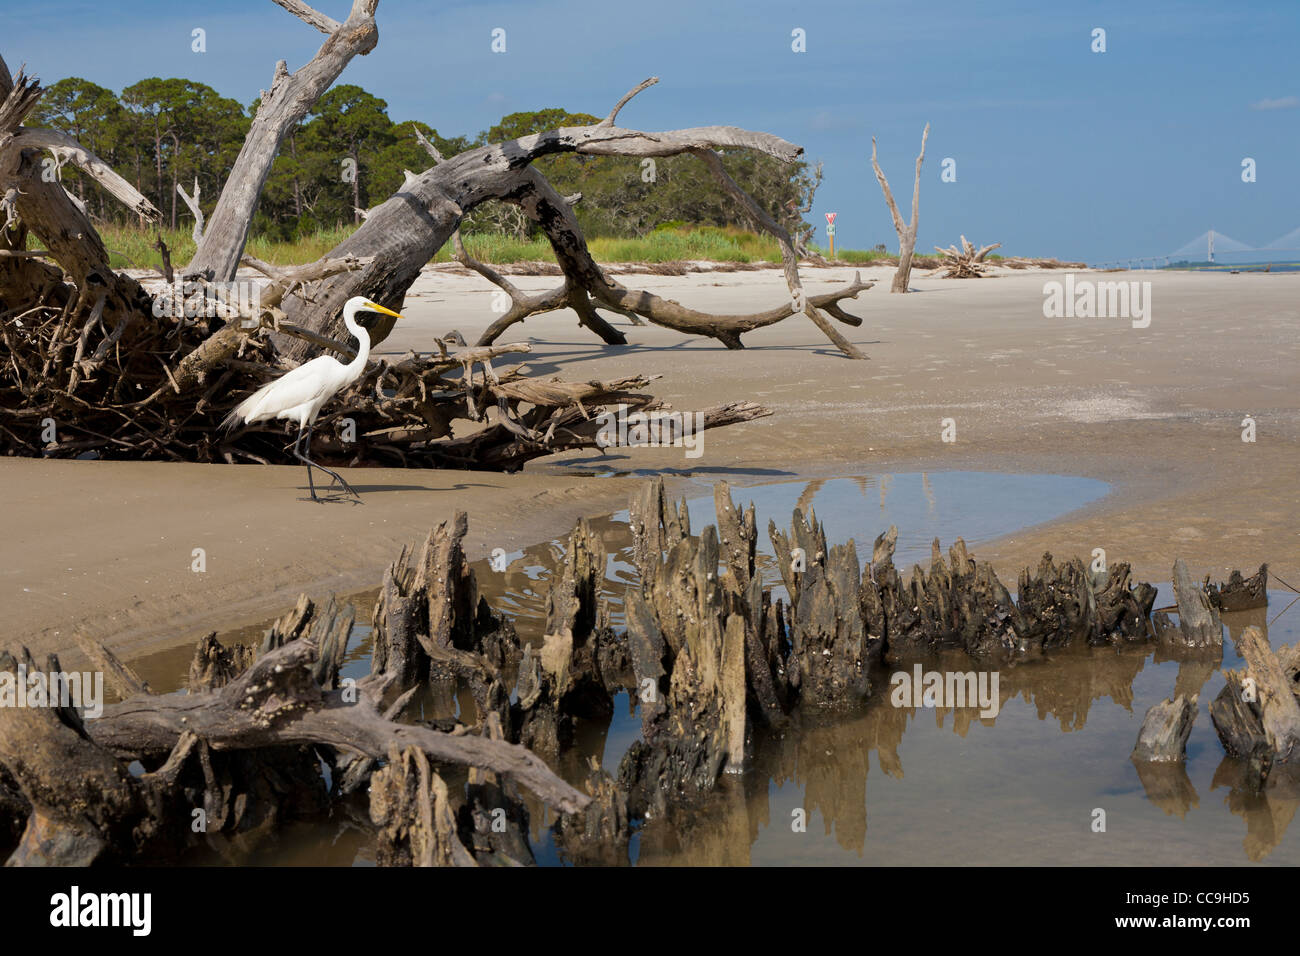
<point>403,233</point>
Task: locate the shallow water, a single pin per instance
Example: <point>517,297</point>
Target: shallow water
<point>913,785</point>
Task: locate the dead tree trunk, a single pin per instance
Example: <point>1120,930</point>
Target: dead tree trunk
<point>285,104</point>
<point>906,231</point>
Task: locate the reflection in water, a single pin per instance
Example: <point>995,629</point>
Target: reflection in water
<point>950,787</point>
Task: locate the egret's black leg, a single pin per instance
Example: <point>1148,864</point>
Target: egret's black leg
<point>334,475</point>
<point>306,461</point>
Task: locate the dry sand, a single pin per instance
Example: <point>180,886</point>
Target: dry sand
<point>108,546</point>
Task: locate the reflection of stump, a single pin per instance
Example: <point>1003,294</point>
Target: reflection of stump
<point>1267,809</point>
<point>1167,786</point>
<point>1193,674</point>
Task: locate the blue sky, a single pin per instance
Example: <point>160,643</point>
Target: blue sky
<point>1059,150</point>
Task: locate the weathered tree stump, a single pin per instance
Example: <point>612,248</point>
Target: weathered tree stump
<point>410,805</point>
<point>598,835</point>
<point>1165,729</point>
<point>214,666</point>
<point>683,608</point>
<point>1256,715</point>
<point>1239,593</point>
<point>1198,620</point>
<point>828,639</point>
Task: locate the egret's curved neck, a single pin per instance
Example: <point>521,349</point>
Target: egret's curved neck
<point>363,341</point>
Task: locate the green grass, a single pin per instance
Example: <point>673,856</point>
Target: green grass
<point>861,257</point>
<point>499,249</point>
<point>662,245</point>
<point>132,247</point>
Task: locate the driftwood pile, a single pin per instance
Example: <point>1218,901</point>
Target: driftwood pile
<point>966,262</point>
<point>147,387</point>
<point>434,750</point>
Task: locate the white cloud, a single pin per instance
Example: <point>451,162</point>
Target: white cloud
<point>1281,103</point>
<point>826,120</point>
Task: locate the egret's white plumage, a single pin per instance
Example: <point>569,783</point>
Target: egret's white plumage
<point>299,395</point>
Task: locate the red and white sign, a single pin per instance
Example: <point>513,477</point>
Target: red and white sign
<point>830,218</point>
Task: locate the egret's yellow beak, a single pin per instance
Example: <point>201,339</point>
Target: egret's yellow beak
<point>376,307</point>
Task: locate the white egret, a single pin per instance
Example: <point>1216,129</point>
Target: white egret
<point>300,394</point>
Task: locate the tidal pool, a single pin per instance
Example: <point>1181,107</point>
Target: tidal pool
<point>904,785</point>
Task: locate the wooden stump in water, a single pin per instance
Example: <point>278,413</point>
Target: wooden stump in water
<point>829,645</point>
<point>598,835</point>
<point>214,666</point>
<point>1257,714</point>
<point>409,804</point>
<point>714,662</point>
<point>1164,733</point>
<point>687,625</point>
<point>1198,620</point>
<point>1240,593</point>
<point>580,664</point>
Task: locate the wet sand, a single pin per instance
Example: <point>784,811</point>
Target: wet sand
<point>109,546</point>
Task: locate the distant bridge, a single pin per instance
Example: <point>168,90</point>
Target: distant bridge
<point>1208,244</point>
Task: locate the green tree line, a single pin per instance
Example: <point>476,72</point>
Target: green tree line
<point>348,155</point>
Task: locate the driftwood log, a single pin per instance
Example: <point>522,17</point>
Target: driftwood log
<point>86,807</point>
